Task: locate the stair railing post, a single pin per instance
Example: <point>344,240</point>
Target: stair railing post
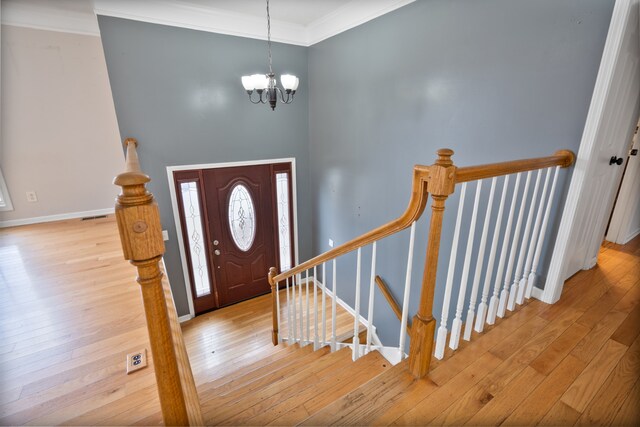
<point>274,310</point>
<point>441,183</point>
<point>142,244</point>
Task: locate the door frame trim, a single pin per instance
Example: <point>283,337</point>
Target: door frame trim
<point>176,215</point>
<point>587,156</point>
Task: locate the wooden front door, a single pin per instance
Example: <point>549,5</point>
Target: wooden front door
<point>232,230</point>
<point>241,226</point>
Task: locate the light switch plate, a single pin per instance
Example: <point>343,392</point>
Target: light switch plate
<point>165,235</point>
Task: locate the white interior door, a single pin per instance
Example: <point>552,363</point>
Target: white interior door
<point>610,123</point>
<point>625,220</point>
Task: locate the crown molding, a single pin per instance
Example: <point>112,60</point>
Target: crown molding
<point>49,17</point>
<point>350,15</point>
<point>202,19</point>
<point>46,16</point>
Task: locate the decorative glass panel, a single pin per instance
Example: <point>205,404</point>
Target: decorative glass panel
<point>191,208</point>
<point>284,237</point>
<point>242,221</point>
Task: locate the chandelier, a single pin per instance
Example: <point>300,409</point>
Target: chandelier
<point>265,84</point>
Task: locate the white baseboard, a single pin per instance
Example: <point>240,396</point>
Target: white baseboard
<point>58,217</point>
<point>185,318</point>
<point>340,302</point>
<point>630,237</point>
<point>537,293</point>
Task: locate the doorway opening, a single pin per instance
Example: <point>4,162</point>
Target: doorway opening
<point>624,221</point>
<point>234,221</point>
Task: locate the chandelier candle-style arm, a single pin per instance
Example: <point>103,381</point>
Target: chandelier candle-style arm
<point>266,83</point>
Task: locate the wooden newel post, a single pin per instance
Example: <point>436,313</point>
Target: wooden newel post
<point>142,243</point>
<point>441,184</point>
<point>274,300</point>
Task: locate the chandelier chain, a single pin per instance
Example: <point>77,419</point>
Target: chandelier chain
<point>269,36</point>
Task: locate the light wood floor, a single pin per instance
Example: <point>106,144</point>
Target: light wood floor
<point>71,312</point>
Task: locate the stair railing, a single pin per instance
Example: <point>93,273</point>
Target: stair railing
<point>439,180</point>
<point>142,244</point>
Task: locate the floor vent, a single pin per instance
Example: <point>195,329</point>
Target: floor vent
<point>87,218</point>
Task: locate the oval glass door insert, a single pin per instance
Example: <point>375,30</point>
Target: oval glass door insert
<point>242,220</point>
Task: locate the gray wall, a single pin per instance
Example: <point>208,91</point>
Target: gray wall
<point>493,80</point>
<point>178,91</point>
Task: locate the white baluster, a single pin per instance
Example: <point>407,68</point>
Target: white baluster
<point>324,304</point>
<point>517,279</point>
<point>356,320</point>
<point>308,311</point>
<point>533,277</point>
<point>372,284</point>
<point>407,288</point>
<point>301,335</point>
<point>512,255</point>
<point>468,325</point>
<point>442,329</point>
<point>456,326</point>
<point>289,314</point>
<point>278,313</point>
<point>315,309</point>
<point>482,307</point>
<point>295,308</point>
<point>333,309</point>
<point>495,302</point>
<point>535,235</point>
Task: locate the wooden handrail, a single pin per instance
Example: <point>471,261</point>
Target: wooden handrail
<point>390,299</point>
<point>142,244</point>
<point>562,158</point>
<point>414,210</point>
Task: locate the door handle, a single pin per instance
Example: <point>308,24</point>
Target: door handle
<point>616,160</point>
<point>217,252</point>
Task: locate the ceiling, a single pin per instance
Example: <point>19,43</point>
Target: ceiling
<point>301,22</point>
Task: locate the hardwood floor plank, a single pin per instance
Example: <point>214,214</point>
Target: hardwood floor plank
<point>606,403</point>
<point>628,331</point>
<point>541,400</point>
<point>629,412</point>
<point>585,387</point>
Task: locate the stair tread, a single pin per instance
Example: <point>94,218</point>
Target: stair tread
<point>256,370</point>
<point>357,406</point>
<point>332,387</point>
<point>253,403</point>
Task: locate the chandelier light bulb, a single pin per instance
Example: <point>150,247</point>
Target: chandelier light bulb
<point>288,81</point>
<point>247,83</point>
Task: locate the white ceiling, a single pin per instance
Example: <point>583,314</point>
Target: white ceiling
<point>301,22</point>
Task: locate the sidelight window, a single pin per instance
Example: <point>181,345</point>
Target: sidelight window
<point>193,219</point>
<point>284,235</point>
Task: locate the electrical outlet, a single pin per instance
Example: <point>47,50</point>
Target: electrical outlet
<point>137,360</point>
<point>31,196</point>
<point>330,243</point>
<point>165,235</point>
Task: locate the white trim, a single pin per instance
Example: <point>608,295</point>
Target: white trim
<point>185,318</point>
<point>4,192</point>
<point>363,320</point>
<point>536,293</point>
<point>176,215</point>
<point>587,158</point>
<point>58,217</point>
<point>347,16</point>
<point>50,17</point>
<point>389,353</point>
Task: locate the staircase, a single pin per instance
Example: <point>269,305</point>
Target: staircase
<point>321,377</point>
